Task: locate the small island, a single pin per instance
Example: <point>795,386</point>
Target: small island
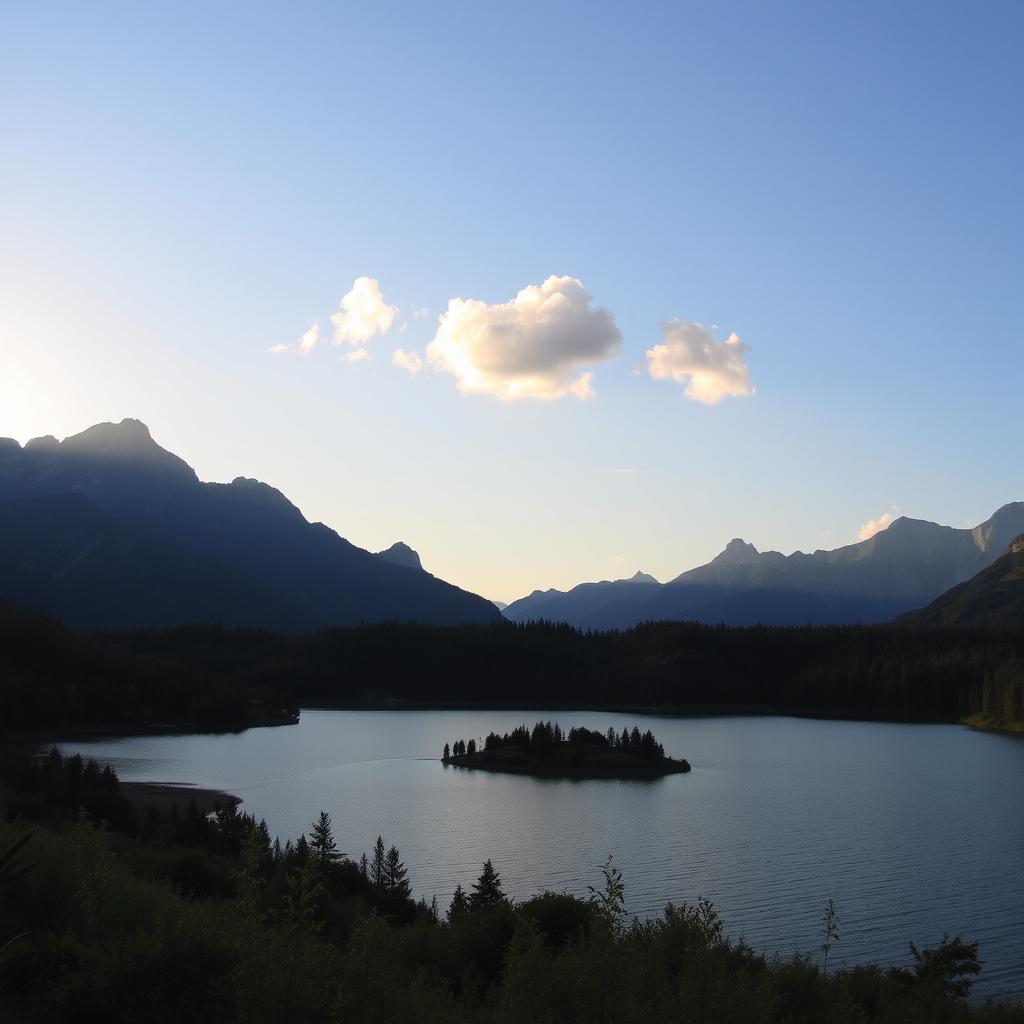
<point>579,753</point>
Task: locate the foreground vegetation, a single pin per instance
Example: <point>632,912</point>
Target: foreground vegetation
<point>168,917</point>
<point>579,753</point>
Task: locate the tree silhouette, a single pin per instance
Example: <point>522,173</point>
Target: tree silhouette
<point>459,905</point>
<point>487,891</point>
<point>395,881</point>
<point>322,844</point>
<point>378,873</point>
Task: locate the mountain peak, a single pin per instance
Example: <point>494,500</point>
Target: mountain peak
<point>401,554</point>
<point>641,577</point>
<point>737,550</point>
<point>126,442</point>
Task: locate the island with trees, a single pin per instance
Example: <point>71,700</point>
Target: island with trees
<point>580,753</point>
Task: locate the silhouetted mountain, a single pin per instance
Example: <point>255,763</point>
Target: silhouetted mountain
<point>901,568</point>
<point>588,605</point>
<point>401,554</point>
<point>127,534</point>
<point>500,605</point>
<point>994,597</point>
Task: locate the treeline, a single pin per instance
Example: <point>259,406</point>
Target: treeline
<point>217,678</point>
<point>184,917</point>
<point>53,679</point>
<point>545,739</point>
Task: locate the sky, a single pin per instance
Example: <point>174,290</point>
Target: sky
<point>552,292</point>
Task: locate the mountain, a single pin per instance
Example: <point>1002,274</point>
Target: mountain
<point>904,567</point>
<point>108,529</point>
<point>994,597</point>
<point>401,554</point>
<point>603,605</point>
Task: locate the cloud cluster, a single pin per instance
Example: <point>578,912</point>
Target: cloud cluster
<point>531,347</point>
<point>691,354</point>
<point>362,313</point>
<point>409,361</point>
<point>305,344</point>
<point>873,526</point>
<point>541,344</point>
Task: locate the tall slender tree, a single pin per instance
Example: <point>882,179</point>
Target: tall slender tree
<point>377,866</point>
<point>322,843</point>
<point>395,882</point>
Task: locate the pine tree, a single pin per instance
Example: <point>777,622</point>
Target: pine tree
<point>395,881</point>
<point>487,891</point>
<point>459,905</point>
<point>447,753</point>
<point>471,747</point>
<point>325,849</point>
<point>377,866</point>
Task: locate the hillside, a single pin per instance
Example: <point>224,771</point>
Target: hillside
<point>108,529</point>
<point>993,598</point>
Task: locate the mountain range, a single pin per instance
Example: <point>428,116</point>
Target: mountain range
<point>106,529</point>
<point>993,598</point>
<point>901,568</point>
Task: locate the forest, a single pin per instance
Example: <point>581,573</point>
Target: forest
<point>212,678</point>
<point>578,752</point>
<point>118,912</point>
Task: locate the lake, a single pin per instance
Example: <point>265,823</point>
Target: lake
<point>913,830</point>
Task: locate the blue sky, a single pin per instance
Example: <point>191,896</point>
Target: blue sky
<point>187,186</point>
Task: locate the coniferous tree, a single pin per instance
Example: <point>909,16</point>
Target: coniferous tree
<point>322,843</point>
<point>487,891</point>
<point>471,747</point>
<point>395,882</point>
<point>447,753</point>
<point>459,905</point>
<point>377,866</point>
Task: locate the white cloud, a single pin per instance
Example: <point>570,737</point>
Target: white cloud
<point>304,345</point>
<point>711,369</point>
<point>420,313</point>
<point>873,526</point>
<point>583,386</point>
<point>411,361</point>
<point>531,347</point>
<point>355,356</point>
<point>362,313</point>
<point>309,340</point>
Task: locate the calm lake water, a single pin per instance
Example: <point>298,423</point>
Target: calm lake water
<point>914,830</point>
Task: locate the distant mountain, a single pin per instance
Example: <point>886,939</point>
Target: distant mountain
<point>903,567</point>
<point>994,597</point>
<point>108,529</point>
<point>604,605</point>
<point>500,605</point>
<point>401,554</point>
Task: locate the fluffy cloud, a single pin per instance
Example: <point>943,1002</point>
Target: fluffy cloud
<point>355,356</point>
<point>692,355</point>
<point>303,346</point>
<point>531,347</point>
<point>873,526</point>
<point>411,361</point>
<point>362,313</point>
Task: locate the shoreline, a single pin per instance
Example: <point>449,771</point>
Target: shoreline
<point>165,795</point>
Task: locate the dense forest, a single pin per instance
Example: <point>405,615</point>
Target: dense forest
<point>113,911</point>
<point>212,678</point>
<point>580,752</point>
